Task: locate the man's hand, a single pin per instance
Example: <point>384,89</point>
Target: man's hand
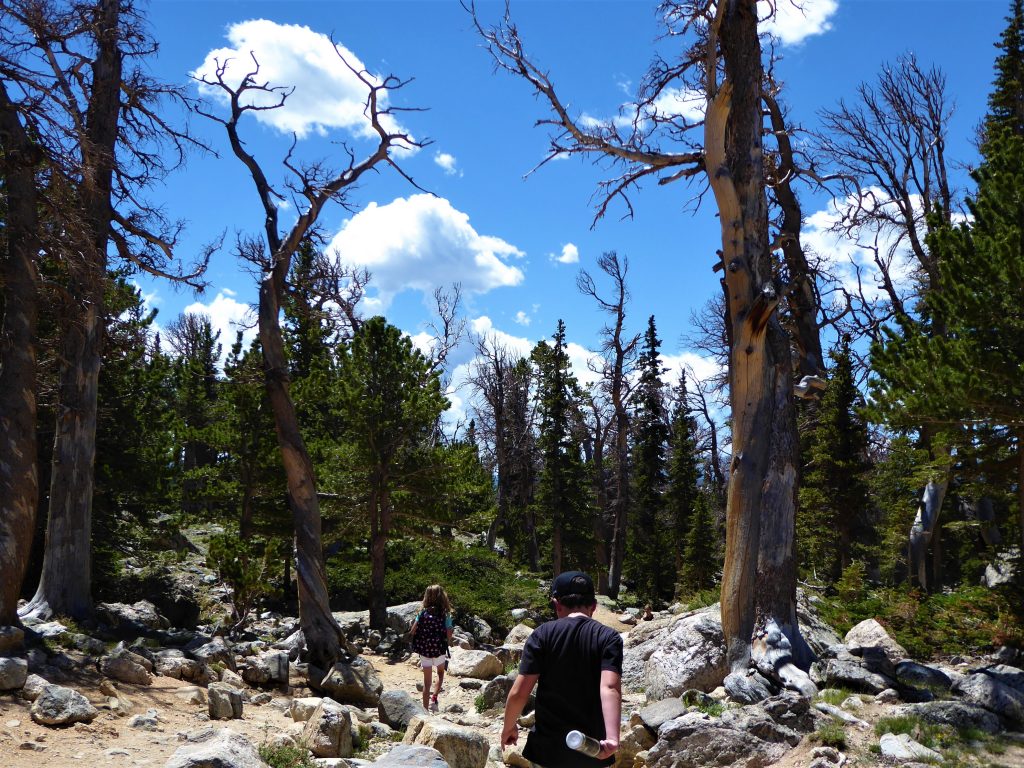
<point>510,735</point>
<point>608,748</point>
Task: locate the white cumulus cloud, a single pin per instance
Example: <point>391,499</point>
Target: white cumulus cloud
<point>522,318</point>
<point>446,162</point>
<point>570,255</point>
<point>327,94</point>
<point>796,20</point>
<point>227,316</point>
<point>420,243</point>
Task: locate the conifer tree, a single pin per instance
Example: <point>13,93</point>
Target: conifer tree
<point>650,564</point>
<point>832,523</point>
<point>1006,102</point>
<point>683,474</point>
<point>562,501</point>
<point>702,560</point>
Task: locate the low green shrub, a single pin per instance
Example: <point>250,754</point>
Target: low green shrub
<point>280,756</point>
<point>831,734</point>
<point>834,696</point>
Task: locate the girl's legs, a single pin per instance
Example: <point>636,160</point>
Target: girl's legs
<point>440,680</point>
<point>426,687</point>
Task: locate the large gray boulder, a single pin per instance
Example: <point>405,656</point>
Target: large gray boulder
<point>519,634</point>
<point>58,705</point>
<point>397,708</point>
<point>957,714</point>
<point>412,756</point>
<point>480,665</point>
<point>696,741</point>
<point>302,709</point>
<point>655,715</point>
<point>121,664</point>
<point>138,616</point>
<point>870,634</point>
<point>171,662</point>
<point>840,673</point>
<point>328,732</point>
<point>902,748</point>
<point>216,651</point>
<point>690,655</point>
<point>216,749</point>
<point>911,674</point>
<point>988,691</point>
<point>225,701</point>
<point>460,747</point>
<point>33,687</point>
<point>270,667</point>
<point>354,682</point>
<point>12,640</point>
<point>496,691</point>
<point>818,635</point>
<point>13,673</point>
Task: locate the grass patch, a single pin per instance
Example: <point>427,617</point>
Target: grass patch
<point>480,703</point>
<point>835,696</point>
<point>281,756</point>
<point>831,734</point>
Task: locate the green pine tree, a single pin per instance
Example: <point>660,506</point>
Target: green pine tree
<point>650,561</point>
<point>562,503</point>
<point>832,521</point>
<point>702,560</point>
<point>1006,102</point>
<point>683,479</point>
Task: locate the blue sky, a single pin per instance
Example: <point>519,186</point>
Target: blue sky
<point>514,243</point>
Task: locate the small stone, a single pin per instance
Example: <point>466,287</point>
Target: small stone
<point>13,723</point>
<point>31,746</point>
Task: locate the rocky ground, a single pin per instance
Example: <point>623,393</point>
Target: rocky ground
<point>162,695</point>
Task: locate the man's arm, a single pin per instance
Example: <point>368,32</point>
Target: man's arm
<point>514,704</point>
<point>611,708</point>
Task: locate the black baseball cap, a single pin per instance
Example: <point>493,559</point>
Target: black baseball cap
<point>572,583</point>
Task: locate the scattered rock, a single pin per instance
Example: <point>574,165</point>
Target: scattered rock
<point>888,696</point>
<point>992,693</point>
<point>397,708</point>
<point>902,747</point>
<point>870,634</point>
<point>412,756</point>
<point>460,747</point>
<point>698,740</point>
<point>13,673</point>
<point>328,732</point>
<point>496,691</point>
<point>653,716</point>
<point>216,651</point>
<point>748,688</point>
<point>958,714</point>
<point>302,709</point>
<point>837,673</point>
<point>481,665</point>
<point>216,749</point>
<point>518,634</point>
<point>139,616</point>
<point>147,722</point>
<point>128,667</point>
<point>355,682</point>
<point>666,657</point>
<point>57,705</point>
<point>225,701</point>
<point>12,640</point>
<point>34,686</point>
<point>913,675</point>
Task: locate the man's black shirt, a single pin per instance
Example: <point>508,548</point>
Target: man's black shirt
<point>569,655</point>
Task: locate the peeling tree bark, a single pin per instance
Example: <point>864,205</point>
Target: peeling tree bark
<point>19,311</point>
<point>758,583</point>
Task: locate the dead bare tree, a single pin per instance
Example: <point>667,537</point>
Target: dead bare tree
<point>725,64</point>
<point>313,187</point>
<point>618,354</point>
<point>888,150</point>
<point>98,119</point>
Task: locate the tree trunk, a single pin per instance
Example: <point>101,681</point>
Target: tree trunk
<point>65,583</point>
<point>1020,499</point>
<point>925,522</point>
<point>759,577</point>
<point>620,504</point>
<point>321,631</point>
<point>19,310</point>
<point>380,526</point>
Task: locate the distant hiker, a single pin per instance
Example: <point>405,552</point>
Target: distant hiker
<point>576,663</point>
<point>432,633</point>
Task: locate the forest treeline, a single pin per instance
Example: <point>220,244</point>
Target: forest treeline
<point>887,426</point>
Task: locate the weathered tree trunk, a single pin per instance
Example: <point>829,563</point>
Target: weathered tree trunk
<point>380,528</point>
<point>620,504</point>
<point>19,310</point>
<point>925,523</point>
<point>321,631</point>
<point>759,578</point>
<point>65,583</point>
<point>1020,495</point>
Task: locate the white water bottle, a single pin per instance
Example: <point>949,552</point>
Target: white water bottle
<point>583,743</point>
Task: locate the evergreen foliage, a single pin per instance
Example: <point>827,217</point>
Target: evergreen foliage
<point>1006,102</point>
<point>692,565</point>
<point>702,558</point>
<point>562,503</point>
<point>650,562</point>
<point>833,526</point>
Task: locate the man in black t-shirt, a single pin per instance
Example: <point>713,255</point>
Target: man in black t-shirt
<point>576,663</point>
